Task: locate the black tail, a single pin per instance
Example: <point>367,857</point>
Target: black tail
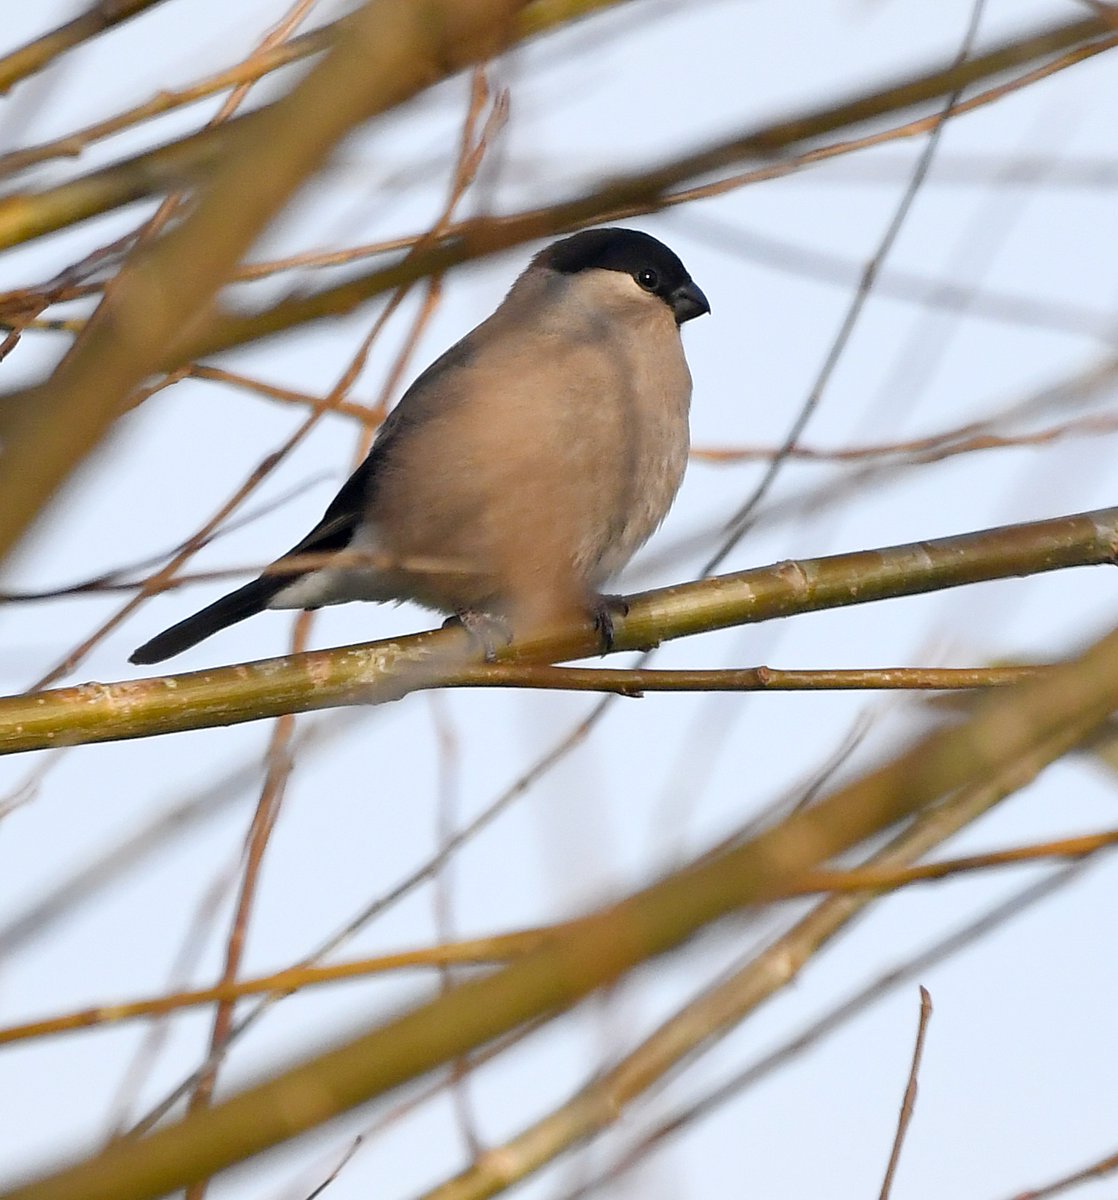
<point>245,602</point>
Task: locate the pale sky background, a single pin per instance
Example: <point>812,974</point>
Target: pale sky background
<point>1017,1085</point>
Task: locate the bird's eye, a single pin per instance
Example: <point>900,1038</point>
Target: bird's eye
<point>648,279</point>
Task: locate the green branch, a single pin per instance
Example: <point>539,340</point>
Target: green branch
<point>388,670</point>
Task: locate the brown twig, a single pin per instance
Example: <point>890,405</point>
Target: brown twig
<point>346,408</point>
<point>739,523</point>
<point>908,1104</point>
<point>503,947</point>
<point>942,444</point>
<point>635,682</point>
<point>259,63</point>
<point>1096,1170</point>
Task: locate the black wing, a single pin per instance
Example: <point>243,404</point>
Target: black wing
<point>333,533</point>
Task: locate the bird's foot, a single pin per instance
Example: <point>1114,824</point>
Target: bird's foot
<point>483,628</point>
<point>602,614</point>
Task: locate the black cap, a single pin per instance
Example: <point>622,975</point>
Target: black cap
<point>654,267</point>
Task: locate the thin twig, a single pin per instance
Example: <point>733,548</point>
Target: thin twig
<point>739,523</point>
<point>944,444</point>
<point>908,1104</point>
<point>635,682</point>
<point>351,1150</point>
<point>1096,1170</point>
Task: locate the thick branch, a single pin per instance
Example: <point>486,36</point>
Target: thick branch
<point>381,671</point>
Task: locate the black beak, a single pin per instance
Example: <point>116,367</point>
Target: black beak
<point>688,301</point>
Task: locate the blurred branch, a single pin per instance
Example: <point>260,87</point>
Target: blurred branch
<point>1097,1170</point>
<point>1011,735</point>
<point>626,195</point>
<point>787,166</point>
<point>420,63</point>
<point>34,56</point>
<point>502,947</point>
<point>392,49</point>
<point>28,216</point>
<point>382,671</point>
<point>483,951</point>
<point>1107,11</point>
<point>639,1152</point>
<point>364,413</point>
<point>251,69</point>
<point>538,16</point>
<point>926,291</point>
<point>942,445</point>
<point>719,1008</point>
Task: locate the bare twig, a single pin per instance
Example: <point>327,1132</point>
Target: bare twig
<point>1097,1170</point>
<point>908,1104</point>
<point>262,61</point>
<point>738,524</point>
<point>637,681</point>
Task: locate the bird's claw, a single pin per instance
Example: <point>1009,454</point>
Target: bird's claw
<point>481,627</point>
<point>602,615</point>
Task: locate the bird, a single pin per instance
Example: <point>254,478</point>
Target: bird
<point>522,469</point>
